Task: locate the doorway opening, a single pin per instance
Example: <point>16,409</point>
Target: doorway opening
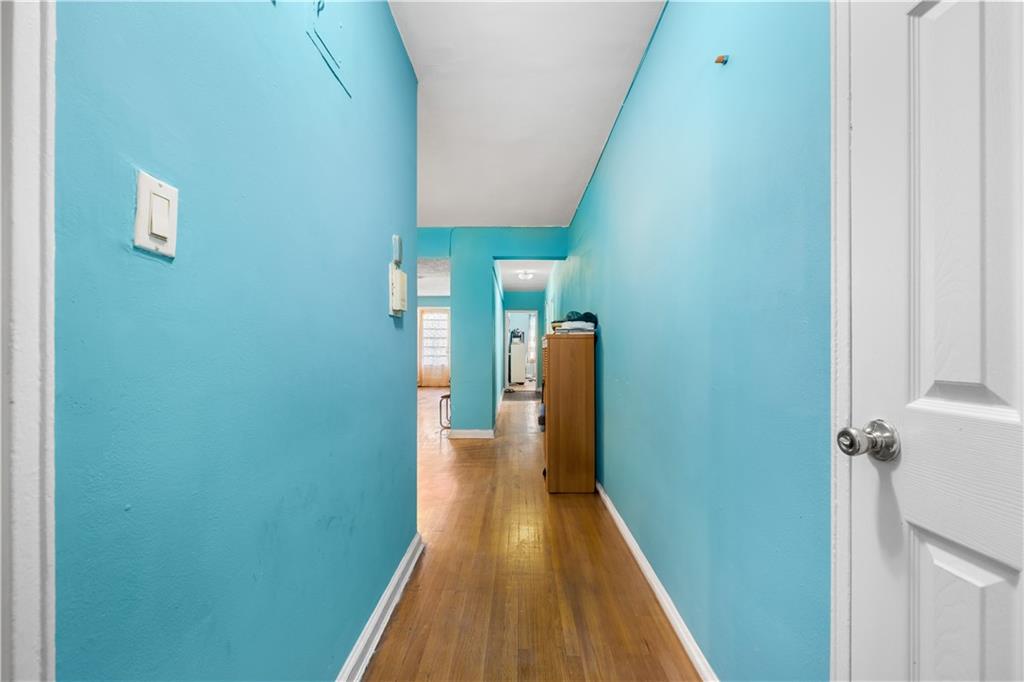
<point>521,351</point>
<point>434,354</point>
<point>522,326</point>
<point>433,323</point>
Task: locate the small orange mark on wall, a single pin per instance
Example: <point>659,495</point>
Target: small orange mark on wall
<point>722,59</point>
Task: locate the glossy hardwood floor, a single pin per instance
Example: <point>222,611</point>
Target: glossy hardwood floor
<point>515,583</point>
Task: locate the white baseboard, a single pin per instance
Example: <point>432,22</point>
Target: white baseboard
<point>359,657</point>
<point>671,612</point>
<point>455,434</point>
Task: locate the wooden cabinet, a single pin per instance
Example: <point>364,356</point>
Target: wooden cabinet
<point>569,412</point>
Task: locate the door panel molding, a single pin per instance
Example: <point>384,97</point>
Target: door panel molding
<point>960,601</point>
<point>964,323</point>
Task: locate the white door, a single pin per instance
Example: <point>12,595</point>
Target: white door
<point>935,189</point>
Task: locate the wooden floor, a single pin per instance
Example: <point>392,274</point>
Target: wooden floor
<point>515,583</point>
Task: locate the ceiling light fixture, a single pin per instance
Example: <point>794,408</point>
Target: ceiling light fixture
<point>524,274</point>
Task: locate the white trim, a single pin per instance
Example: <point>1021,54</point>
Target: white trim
<point>842,537</point>
<point>700,662</point>
<point>458,434</point>
<point>27,40</point>
<point>366,645</point>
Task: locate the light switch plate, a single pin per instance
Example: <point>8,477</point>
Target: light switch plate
<point>156,215</point>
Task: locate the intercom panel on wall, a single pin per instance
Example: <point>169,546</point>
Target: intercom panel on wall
<point>398,290</point>
<point>398,284</point>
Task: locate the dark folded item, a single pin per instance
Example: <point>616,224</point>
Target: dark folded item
<point>577,316</point>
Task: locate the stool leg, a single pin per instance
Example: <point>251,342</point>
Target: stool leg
<point>444,412</point>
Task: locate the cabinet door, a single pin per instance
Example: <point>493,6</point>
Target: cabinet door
<point>570,414</point>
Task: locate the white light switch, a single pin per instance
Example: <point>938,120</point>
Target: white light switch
<point>159,216</point>
<point>156,215</point>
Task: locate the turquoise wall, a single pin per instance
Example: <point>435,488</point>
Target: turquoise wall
<point>476,307</point>
<point>434,242</point>
<point>433,301</point>
<point>553,298</point>
<point>530,300</point>
<point>235,444</point>
<point>478,371</point>
<point>702,243</point>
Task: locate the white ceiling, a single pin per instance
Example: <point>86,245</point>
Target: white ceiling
<point>509,270</point>
<point>516,100</point>
<point>433,277</point>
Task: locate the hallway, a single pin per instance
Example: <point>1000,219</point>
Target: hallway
<point>515,583</point>
<point>781,355</point>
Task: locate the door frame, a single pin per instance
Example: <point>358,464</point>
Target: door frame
<point>27,66</point>
<point>419,340</point>
<point>841,341</point>
<point>506,383</point>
